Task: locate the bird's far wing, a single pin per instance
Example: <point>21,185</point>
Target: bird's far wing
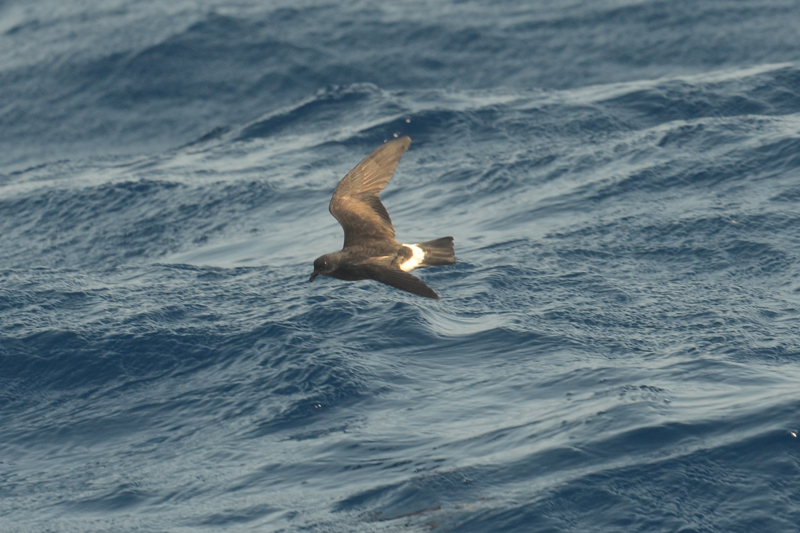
<point>401,280</point>
<point>355,203</point>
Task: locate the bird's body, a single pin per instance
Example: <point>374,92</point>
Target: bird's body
<point>370,250</point>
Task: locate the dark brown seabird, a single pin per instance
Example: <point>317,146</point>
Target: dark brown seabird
<point>370,250</point>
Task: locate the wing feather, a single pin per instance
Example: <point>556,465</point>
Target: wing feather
<point>398,279</point>
<point>355,202</point>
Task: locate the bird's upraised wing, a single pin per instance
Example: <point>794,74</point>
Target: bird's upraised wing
<point>355,203</point>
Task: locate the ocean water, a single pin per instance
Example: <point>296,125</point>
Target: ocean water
<point>618,348</point>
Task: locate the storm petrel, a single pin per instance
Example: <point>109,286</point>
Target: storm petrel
<point>370,250</point>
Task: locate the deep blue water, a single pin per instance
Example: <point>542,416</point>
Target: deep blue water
<point>618,348</point>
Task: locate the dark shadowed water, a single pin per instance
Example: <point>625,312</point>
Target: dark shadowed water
<point>618,348</point>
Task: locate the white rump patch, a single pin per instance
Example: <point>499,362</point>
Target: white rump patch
<point>415,259</point>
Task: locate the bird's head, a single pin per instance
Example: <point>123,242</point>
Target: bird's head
<point>324,265</point>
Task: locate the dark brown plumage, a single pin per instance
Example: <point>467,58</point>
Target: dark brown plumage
<point>370,250</point>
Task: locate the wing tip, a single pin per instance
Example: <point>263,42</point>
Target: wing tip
<point>404,142</point>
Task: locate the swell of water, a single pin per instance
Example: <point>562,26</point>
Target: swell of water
<point>615,350</point>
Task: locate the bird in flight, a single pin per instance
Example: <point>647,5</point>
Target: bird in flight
<point>370,250</point>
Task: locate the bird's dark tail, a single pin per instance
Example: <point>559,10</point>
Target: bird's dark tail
<point>438,252</point>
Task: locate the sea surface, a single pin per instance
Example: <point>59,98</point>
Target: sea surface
<point>617,349</point>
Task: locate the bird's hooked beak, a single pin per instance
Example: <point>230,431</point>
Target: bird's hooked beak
<point>314,275</point>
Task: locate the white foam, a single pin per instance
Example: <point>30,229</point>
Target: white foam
<point>415,259</point>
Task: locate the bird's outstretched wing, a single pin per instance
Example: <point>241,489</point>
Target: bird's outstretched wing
<point>401,280</point>
<point>355,203</point>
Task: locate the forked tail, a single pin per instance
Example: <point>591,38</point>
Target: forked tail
<point>437,252</point>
